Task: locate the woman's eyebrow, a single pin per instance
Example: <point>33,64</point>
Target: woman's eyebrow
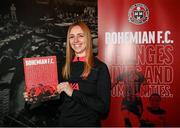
<point>76,34</point>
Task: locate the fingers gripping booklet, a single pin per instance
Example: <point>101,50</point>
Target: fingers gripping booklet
<point>41,78</point>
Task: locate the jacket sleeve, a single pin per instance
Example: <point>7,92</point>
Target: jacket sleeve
<point>100,102</point>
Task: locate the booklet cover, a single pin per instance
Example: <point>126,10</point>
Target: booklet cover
<point>41,78</point>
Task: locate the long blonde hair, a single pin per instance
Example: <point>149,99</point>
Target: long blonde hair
<point>70,53</point>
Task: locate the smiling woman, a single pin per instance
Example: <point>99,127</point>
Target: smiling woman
<point>77,41</point>
<point>79,44</point>
<point>85,87</point>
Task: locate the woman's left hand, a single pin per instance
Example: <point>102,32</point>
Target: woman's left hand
<point>65,87</point>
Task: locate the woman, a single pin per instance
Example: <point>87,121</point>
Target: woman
<point>86,88</point>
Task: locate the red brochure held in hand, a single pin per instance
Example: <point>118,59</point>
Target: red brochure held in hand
<point>41,78</point>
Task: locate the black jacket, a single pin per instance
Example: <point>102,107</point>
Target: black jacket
<point>90,100</point>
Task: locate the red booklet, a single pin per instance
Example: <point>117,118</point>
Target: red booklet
<point>41,78</point>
